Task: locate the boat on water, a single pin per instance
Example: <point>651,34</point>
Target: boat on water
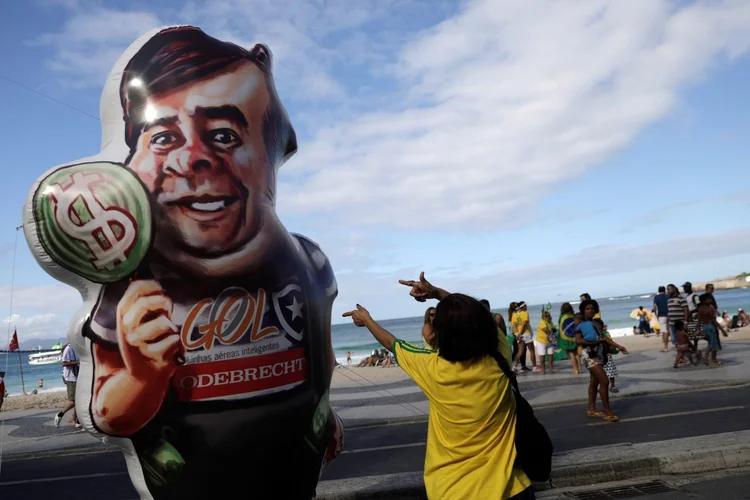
<point>54,355</point>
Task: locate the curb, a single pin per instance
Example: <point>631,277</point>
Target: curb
<point>385,421</point>
<point>688,462</point>
<point>584,467</point>
<point>614,397</point>
<point>92,449</point>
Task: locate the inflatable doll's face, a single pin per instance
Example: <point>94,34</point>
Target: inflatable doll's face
<point>203,157</point>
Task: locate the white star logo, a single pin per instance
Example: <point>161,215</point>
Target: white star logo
<point>296,308</point>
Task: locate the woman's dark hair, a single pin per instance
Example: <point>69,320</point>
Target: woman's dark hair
<point>586,296</point>
<point>566,308</point>
<point>465,329</point>
<point>585,304</point>
<point>511,310</point>
<point>427,314</point>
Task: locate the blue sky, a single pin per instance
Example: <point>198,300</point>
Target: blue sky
<point>512,155</point>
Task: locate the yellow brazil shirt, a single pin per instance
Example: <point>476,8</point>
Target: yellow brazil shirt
<point>519,319</point>
<point>541,335</point>
<point>472,426</point>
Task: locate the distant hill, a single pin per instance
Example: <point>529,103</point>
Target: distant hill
<point>742,280</point>
<point>33,344</point>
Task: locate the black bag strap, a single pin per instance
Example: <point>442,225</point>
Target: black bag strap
<point>503,364</point>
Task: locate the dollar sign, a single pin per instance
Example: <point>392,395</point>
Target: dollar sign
<point>108,232</point>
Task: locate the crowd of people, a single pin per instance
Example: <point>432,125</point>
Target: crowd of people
<point>468,346</point>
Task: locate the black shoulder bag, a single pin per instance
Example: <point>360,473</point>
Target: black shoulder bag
<point>533,445</point>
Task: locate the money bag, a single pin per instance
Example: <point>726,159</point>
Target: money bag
<point>204,336</point>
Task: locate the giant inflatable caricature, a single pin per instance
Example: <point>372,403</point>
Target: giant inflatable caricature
<point>205,329</point>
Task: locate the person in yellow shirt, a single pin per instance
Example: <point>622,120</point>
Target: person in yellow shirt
<point>524,335</point>
<point>545,341</point>
<point>471,449</point>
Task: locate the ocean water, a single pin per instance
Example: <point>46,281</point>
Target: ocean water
<point>346,337</point>
<point>51,374</point>
<point>615,313</point>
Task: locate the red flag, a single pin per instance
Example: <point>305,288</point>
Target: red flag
<point>14,342</point>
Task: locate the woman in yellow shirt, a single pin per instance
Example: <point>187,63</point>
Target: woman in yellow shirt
<point>471,449</point>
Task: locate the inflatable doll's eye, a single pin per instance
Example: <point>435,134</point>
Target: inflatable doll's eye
<point>224,138</point>
<point>163,140</point>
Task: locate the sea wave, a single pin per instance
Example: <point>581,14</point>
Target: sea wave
<point>620,332</point>
<point>39,391</point>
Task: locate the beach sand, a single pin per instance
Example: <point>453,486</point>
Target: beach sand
<point>42,401</point>
<point>348,376</point>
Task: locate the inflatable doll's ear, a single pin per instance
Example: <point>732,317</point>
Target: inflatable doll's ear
<point>262,56</point>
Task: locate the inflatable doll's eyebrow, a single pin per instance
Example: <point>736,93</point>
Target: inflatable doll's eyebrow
<point>226,112</point>
<point>167,120</point>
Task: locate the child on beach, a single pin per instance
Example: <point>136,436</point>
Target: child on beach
<point>609,368</point>
<point>684,348</point>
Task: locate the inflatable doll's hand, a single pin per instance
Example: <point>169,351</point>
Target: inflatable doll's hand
<point>149,341</point>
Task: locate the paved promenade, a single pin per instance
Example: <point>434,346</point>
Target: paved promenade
<point>385,415</point>
<point>364,396</point>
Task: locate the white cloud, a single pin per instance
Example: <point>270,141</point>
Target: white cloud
<point>91,41</point>
<point>39,312</point>
<point>485,112</point>
<point>505,104</point>
<point>481,115</point>
<point>383,295</point>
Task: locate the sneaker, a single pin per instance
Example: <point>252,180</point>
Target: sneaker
<point>58,419</point>
<point>78,425</point>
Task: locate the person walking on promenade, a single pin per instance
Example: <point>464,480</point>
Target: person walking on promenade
<point>677,308</point>
<point>610,368</point>
<point>515,345</point>
<point>545,343</point>
<point>566,339</point>
<point>685,350</point>
<point>709,294</point>
<point>661,310</point>
<point>2,389</point>
<point>594,357</point>
<point>710,327</point>
<point>524,335</point>
<point>461,461</point>
<point>70,364</point>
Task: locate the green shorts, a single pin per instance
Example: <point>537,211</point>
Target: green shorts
<point>71,387</point>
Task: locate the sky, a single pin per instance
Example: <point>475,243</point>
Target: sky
<point>511,150</point>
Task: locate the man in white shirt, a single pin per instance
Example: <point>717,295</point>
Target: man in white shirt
<point>70,364</point>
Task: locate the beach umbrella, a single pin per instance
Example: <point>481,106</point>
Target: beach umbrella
<point>636,313</point>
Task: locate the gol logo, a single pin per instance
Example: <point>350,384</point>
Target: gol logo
<point>230,316</point>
